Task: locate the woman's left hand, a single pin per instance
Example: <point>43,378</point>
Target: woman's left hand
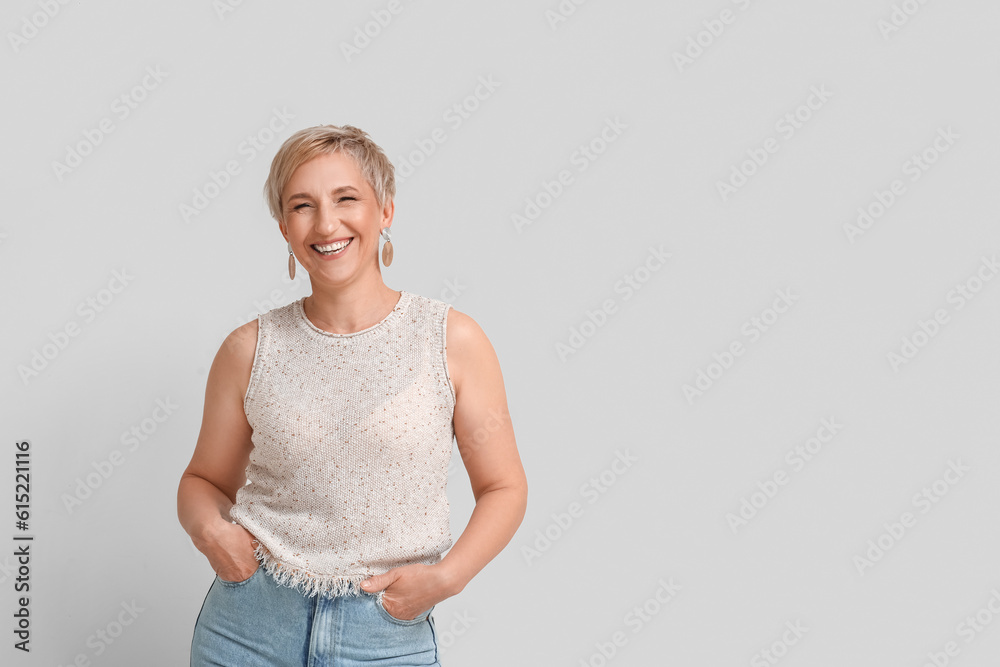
<point>410,590</point>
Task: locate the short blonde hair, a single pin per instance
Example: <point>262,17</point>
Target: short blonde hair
<point>310,142</point>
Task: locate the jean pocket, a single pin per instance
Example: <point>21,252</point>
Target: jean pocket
<point>237,584</point>
<point>400,621</point>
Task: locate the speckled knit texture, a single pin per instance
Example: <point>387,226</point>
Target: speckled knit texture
<point>352,438</point>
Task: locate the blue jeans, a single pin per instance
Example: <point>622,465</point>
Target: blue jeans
<point>257,623</point>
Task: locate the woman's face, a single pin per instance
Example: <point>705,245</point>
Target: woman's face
<point>326,203</point>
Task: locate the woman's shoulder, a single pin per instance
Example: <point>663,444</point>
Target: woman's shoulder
<point>241,339</point>
<point>234,360</point>
<point>466,341</point>
<point>473,363</point>
<point>462,328</point>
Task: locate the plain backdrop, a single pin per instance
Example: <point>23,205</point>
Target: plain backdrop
<point>738,260</point>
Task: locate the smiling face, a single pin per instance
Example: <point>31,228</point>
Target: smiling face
<point>331,217</point>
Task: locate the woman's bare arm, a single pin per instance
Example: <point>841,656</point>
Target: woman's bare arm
<point>485,438</point>
<point>208,486</point>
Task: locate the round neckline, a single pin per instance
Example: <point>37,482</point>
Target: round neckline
<point>404,298</point>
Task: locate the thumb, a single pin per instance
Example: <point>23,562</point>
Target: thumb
<point>376,582</point>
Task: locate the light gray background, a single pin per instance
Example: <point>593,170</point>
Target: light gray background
<point>663,518</point>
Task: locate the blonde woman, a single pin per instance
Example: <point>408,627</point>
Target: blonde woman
<point>340,409</point>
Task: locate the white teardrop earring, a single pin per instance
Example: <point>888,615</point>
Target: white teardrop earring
<point>291,263</point>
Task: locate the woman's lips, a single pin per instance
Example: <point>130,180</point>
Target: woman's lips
<point>331,254</point>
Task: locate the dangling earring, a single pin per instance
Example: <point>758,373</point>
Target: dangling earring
<point>291,263</point>
<point>387,247</point>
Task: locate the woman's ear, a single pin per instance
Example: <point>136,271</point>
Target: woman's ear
<point>387,212</point>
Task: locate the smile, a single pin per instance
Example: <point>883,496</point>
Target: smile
<point>332,248</point>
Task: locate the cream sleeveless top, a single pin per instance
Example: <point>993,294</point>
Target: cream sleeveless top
<point>352,437</point>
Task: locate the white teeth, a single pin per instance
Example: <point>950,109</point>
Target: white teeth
<point>333,247</point>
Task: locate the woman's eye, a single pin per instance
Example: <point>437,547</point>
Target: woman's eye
<point>301,206</point>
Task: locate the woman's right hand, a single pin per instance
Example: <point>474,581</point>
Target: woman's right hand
<point>230,552</point>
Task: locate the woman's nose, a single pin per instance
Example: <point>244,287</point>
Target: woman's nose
<point>326,218</point>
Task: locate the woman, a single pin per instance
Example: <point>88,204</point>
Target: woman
<point>340,409</point>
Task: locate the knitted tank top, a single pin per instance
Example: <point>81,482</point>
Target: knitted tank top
<point>352,437</point>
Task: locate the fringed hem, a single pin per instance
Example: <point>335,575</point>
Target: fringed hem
<point>328,586</point>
